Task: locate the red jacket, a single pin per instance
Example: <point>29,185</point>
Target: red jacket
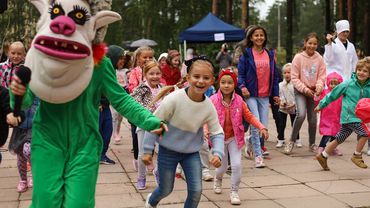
<point>170,75</point>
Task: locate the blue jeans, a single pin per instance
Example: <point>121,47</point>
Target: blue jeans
<point>259,107</point>
<point>167,163</point>
<point>105,128</point>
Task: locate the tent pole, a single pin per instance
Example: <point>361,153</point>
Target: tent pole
<point>185,58</point>
<point>180,52</point>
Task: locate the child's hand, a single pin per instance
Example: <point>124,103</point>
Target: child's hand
<point>12,120</point>
<point>215,161</point>
<point>147,159</point>
<point>317,109</point>
<point>16,86</point>
<point>309,93</point>
<point>264,134</point>
<point>161,129</point>
<point>245,92</point>
<point>319,89</point>
<point>276,100</point>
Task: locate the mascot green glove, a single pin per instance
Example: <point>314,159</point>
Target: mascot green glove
<point>70,74</point>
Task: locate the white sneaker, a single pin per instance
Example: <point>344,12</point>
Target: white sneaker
<point>217,186</point>
<point>234,198</point>
<point>206,176</point>
<point>368,152</point>
<point>147,205</point>
<point>259,162</point>
<point>298,143</point>
<point>280,143</point>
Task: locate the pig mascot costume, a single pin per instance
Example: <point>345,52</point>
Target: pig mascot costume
<point>70,74</point>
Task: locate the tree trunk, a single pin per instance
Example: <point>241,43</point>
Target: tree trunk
<point>215,7</point>
<point>229,11</point>
<point>245,13</point>
<point>366,36</point>
<point>352,19</point>
<point>289,36</point>
<point>327,15</point>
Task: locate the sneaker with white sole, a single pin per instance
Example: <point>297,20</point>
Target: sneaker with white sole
<point>22,186</point>
<point>147,205</point>
<point>313,148</point>
<point>217,186</point>
<point>206,176</point>
<point>141,183</point>
<point>289,148</point>
<point>280,143</point>
<point>234,198</point>
<point>298,143</point>
<point>259,162</point>
<point>368,152</point>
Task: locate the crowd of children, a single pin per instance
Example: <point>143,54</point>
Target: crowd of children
<point>218,130</point>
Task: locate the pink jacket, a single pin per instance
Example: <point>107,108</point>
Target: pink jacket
<point>330,115</point>
<point>236,113</point>
<point>135,78</point>
<point>308,72</point>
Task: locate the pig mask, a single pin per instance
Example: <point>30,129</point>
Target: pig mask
<point>61,57</point>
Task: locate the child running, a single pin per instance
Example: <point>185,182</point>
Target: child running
<point>352,90</point>
<point>231,109</point>
<point>330,115</point>
<point>20,144</point>
<point>144,94</point>
<point>185,111</point>
<point>141,55</point>
<point>286,106</point>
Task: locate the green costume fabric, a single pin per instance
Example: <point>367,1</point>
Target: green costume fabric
<point>66,144</point>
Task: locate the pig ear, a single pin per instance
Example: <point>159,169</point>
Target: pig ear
<point>41,5</point>
<point>103,18</point>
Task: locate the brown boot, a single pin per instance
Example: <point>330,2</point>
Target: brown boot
<point>357,160</point>
<point>323,161</point>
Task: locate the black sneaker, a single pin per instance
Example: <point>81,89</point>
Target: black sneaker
<point>106,161</point>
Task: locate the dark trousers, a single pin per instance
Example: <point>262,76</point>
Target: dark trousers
<point>105,128</point>
<point>275,116</point>
<point>135,144</point>
<point>325,139</point>
<point>282,124</point>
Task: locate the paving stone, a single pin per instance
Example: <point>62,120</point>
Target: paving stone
<point>260,181</point>
<point>116,188</point>
<point>9,204</point>
<point>119,201</point>
<point>253,203</point>
<point>354,199</point>
<point>309,202</point>
<point>287,191</point>
<point>112,178</point>
<point>8,172</point>
<point>8,195</point>
<point>335,187</point>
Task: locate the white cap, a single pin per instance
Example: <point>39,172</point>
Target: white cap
<point>342,25</point>
<point>163,55</point>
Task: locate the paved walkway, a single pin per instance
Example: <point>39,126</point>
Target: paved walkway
<point>288,181</point>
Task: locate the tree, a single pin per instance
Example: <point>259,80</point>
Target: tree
<point>289,39</point>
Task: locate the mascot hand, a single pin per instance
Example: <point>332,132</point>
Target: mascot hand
<point>16,86</point>
<point>12,120</point>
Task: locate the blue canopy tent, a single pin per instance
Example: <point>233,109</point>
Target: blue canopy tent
<point>211,29</point>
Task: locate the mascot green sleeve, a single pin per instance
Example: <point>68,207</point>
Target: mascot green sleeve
<point>70,74</point>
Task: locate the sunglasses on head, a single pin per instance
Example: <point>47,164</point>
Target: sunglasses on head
<point>190,62</point>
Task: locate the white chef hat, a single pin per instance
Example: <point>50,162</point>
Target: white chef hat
<point>342,25</point>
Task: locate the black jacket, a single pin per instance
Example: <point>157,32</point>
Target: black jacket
<point>4,110</point>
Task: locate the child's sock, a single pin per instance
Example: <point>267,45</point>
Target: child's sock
<point>325,154</point>
<point>357,153</point>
